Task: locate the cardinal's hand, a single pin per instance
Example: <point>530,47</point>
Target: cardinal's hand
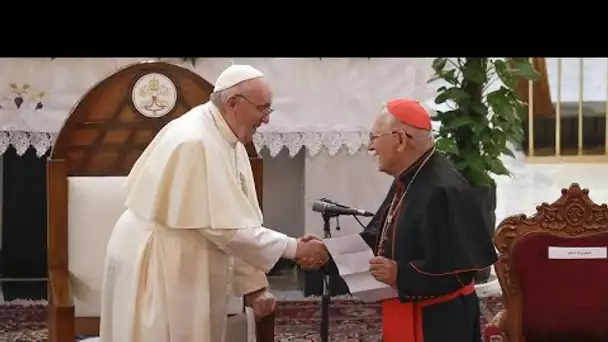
<point>384,270</point>
<point>311,253</point>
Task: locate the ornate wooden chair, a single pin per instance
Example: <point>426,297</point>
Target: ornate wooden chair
<point>553,271</point>
<point>101,139</point>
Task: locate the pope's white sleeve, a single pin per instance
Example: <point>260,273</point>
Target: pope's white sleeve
<point>247,279</point>
<point>258,246</point>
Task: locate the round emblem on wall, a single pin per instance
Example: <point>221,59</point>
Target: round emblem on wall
<point>154,95</point>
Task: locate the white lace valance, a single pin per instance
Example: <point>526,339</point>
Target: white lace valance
<point>22,141</point>
<point>319,103</point>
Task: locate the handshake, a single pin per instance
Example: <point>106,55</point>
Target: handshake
<point>311,253</point>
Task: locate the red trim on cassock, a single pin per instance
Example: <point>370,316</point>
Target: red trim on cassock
<point>456,272</point>
<point>402,322</point>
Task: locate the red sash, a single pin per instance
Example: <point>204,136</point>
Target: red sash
<point>402,322</point>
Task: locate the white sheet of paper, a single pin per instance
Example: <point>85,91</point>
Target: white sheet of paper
<point>351,255</point>
<point>568,253</point>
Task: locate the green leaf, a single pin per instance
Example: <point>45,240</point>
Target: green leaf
<point>434,79</point>
<point>475,72</point>
<point>475,167</point>
<point>479,127</point>
<point>526,70</point>
<point>447,145</point>
<point>519,59</point>
<point>476,178</point>
<point>507,151</point>
<point>498,137</point>
<point>455,94</point>
<point>448,76</point>
<point>501,106</point>
<point>439,64</point>
<point>498,168</point>
<point>460,121</point>
<point>479,108</point>
<point>191,59</point>
<point>515,135</point>
<point>446,116</point>
<point>502,71</point>
<point>186,59</point>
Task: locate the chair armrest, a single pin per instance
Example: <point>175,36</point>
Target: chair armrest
<point>60,320</point>
<point>60,290</point>
<point>264,329</point>
<point>492,332</point>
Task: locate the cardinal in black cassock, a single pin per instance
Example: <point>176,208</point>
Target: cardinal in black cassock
<point>429,235</point>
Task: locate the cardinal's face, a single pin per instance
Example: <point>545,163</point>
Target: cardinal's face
<point>384,144</point>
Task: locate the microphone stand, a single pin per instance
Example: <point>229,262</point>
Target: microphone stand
<point>326,295</point>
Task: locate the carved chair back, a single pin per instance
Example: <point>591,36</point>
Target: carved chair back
<point>553,270</point>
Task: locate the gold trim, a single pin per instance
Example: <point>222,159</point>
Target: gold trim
<point>581,93</point>
<point>531,115</point>
<point>558,110</point>
<point>577,159</point>
<point>606,114</point>
<point>573,154</point>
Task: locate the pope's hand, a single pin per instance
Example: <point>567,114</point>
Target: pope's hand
<point>311,252</point>
<point>262,302</point>
<point>309,237</point>
<point>384,270</point>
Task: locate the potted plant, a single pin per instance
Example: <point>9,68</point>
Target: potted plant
<point>477,129</point>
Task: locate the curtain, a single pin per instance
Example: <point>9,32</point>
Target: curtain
<point>24,224</point>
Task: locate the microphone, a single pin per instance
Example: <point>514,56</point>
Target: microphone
<point>322,206</point>
<point>327,200</point>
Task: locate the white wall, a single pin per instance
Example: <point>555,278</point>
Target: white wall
<point>292,184</point>
<point>284,192</point>
<point>533,184</point>
<point>352,180</point>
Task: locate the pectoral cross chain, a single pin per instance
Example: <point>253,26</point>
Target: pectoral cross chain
<point>392,210</point>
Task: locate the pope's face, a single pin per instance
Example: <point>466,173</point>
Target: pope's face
<point>252,109</point>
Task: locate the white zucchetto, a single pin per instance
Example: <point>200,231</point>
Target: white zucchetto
<point>236,74</point>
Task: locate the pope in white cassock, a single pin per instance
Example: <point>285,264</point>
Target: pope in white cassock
<point>192,232</point>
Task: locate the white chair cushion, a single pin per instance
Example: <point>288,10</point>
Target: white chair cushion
<point>94,206</point>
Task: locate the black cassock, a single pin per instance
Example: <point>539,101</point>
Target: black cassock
<point>439,239</point>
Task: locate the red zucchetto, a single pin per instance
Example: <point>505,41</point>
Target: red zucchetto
<point>410,113</point>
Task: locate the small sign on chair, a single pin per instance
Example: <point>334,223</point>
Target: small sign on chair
<point>567,253</point>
